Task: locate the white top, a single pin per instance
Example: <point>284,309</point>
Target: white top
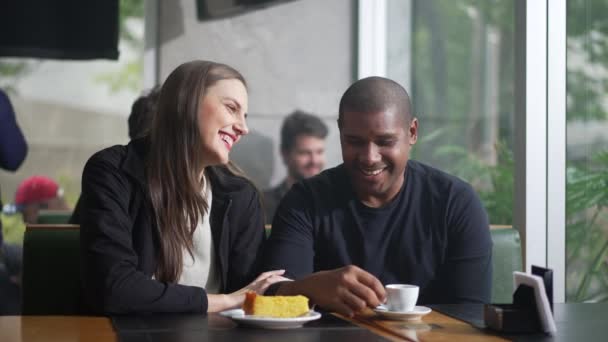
<point>201,270</point>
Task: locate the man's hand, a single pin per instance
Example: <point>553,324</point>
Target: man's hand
<point>345,290</point>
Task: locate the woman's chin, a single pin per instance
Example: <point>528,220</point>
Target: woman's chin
<point>222,160</point>
<point>217,159</point>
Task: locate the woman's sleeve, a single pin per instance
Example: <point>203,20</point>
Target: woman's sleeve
<point>246,250</point>
<point>112,284</point>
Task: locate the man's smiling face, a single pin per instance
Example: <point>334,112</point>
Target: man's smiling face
<point>375,149</point>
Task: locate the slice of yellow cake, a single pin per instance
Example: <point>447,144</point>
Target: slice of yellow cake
<point>275,306</point>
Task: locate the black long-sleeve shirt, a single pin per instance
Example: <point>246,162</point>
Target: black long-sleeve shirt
<point>434,234</point>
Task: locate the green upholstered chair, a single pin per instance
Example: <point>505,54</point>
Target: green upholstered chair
<point>54,216</point>
<point>506,258</point>
<point>51,269</point>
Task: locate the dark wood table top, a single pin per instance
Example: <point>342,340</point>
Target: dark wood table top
<point>575,322</point>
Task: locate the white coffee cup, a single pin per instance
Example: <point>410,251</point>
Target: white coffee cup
<point>401,297</point>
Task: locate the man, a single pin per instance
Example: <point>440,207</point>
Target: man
<point>303,152</point>
<point>38,193</point>
<point>142,113</point>
<point>380,218</point>
<point>13,147</point>
<point>13,150</point>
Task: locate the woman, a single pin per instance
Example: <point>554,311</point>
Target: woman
<point>167,222</point>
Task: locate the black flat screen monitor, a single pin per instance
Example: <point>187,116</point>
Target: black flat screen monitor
<point>218,9</point>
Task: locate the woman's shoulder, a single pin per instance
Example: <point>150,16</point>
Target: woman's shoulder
<point>104,163</point>
<point>226,181</point>
<point>130,157</point>
<point>113,155</point>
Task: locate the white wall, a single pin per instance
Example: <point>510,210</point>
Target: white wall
<point>293,55</point>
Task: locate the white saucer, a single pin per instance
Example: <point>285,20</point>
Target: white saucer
<point>239,316</point>
<point>413,315</point>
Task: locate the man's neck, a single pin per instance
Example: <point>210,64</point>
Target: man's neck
<point>289,181</point>
<point>377,201</point>
<point>373,201</point>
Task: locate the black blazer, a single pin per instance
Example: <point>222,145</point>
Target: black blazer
<point>119,238</point>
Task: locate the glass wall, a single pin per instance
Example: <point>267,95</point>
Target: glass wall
<point>462,91</point>
<point>587,151</point>
<point>69,109</point>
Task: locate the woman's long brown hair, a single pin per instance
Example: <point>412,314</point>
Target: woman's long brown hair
<point>175,160</point>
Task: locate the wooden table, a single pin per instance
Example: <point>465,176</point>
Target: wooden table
<point>435,326</point>
<point>584,322</point>
<point>56,328</point>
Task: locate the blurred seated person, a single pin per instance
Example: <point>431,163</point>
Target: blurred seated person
<point>38,193</point>
<point>168,223</point>
<point>303,152</point>
<point>142,112</point>
<point>139,121</point>
<point>13,150</point>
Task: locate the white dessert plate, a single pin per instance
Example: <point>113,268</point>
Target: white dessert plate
<point>239,316</point>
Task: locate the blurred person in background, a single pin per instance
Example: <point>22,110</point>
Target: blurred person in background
<point>13,150</point>
<point>303,152</point>
<point>38,193</point>
<point>142,112</point>
<point>33,194</point>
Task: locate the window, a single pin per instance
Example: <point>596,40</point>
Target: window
<point>587,151</point>
<point>461,86</point>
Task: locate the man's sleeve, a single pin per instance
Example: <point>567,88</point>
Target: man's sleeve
<point>466,275</point>
<point>270,206</point>
<point>13,147</point>
<point>290,246</point>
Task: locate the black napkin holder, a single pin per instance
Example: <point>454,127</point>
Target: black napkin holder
<point>519,317</point>
<point>523,316</point>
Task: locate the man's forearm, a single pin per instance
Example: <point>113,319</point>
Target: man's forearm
<point>288,288</point>
<point>345,290</point>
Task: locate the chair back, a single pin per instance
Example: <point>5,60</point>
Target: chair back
<point>54,216</point>
<point>51,269</point>
<point>506,258</point>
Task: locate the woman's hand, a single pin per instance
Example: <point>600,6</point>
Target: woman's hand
<point>235,299</point>
<point>262,282</point>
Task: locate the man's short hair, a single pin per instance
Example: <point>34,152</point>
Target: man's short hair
<point>142,112</point>
<point>375,94</point>
<point>300,123</point>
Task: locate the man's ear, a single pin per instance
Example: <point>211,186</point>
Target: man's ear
<point>413,131</point>
<point>284,156</point>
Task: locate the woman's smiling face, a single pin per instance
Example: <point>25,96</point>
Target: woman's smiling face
<point>222,116</point>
